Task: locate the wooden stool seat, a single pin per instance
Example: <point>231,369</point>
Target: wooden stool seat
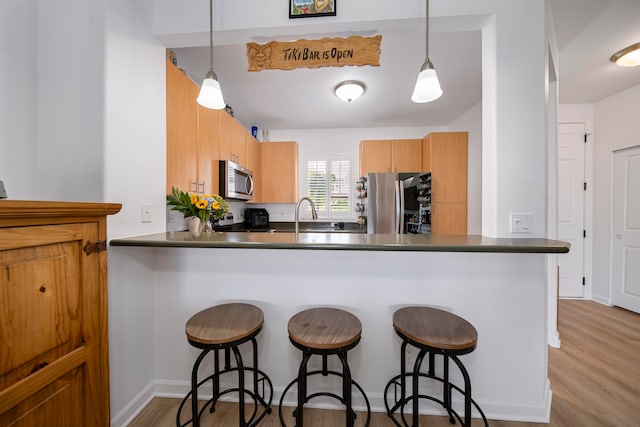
<point>324,328</point>
<point>224,324</point>
<point>435,328</point>
<point>323,332</point>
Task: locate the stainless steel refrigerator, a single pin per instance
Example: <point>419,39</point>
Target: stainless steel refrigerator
<point>399,203</point>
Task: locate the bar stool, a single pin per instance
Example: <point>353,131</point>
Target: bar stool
<point>224,328</point>
<point>324,331</point>
<point>433,332</point>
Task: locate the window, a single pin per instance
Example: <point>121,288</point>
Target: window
<point>328,184</point>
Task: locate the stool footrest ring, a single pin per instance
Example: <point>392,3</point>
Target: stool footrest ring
<point>257,397</point>
<point>401,403</point>
<point>326,394</point>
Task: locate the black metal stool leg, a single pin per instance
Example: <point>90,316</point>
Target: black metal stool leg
<point>240,367</point>
<point>446,389</point>
<point>346,390</point>
<point>302,388</point>
<point>416,392</point>
<point>195,417</point>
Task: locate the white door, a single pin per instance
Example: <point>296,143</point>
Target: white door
<point>571,207</point>
<point>625,265</point>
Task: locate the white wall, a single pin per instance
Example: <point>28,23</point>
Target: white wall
<point>71,96</point>
<point>18,97</point>
<point>134,173</point>
<point>616,126</point>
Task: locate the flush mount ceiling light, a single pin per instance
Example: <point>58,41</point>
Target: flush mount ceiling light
<point>427,87</point>
<point>210,93</point>
<point>349,90</point>
<point>627,57</point>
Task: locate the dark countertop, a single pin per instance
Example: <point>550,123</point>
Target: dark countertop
<point>346,241</point>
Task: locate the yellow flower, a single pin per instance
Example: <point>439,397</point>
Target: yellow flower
<point>201,204</point>
<point>215,205</point>
<point>206,196</point>
<point>194,199</point>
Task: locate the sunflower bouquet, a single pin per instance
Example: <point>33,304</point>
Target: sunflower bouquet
<point>203,206</point>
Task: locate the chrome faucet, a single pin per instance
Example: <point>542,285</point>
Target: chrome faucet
<point>314,214</point>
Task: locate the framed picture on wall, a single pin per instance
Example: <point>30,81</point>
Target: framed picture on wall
<point>310,8</point>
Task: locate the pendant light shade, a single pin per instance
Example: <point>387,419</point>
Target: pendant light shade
<point>210,92</point>
<point>427,87</point>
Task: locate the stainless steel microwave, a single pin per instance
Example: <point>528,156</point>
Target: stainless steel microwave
<point>236,182</point>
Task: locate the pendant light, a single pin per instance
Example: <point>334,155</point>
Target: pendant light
<point>210,93</point>
<point>427,87</point>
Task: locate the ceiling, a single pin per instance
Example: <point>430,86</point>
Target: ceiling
<point>588,33</point>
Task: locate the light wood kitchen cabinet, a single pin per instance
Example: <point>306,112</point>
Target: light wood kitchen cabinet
<point>445,155</point>
<point>207,150</point>
<point>254,163</point>
<point>232,140</point>
<point>182,150</point>
<point>375,156</point>
<point>390,155</point>
<point>54,354</point>
<point>279,172</point>
<point>406,155</point>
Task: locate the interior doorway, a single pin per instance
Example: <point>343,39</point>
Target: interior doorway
<point>625,257</point>
<point>571,190</point>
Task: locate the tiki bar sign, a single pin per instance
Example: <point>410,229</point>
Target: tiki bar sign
<point>327,52</point>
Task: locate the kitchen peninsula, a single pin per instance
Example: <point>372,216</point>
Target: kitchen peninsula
<point>499,285</point>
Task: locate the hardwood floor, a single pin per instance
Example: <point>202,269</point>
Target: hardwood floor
<point>595,378</point>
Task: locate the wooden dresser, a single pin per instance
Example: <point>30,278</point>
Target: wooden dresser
<point>54,359</point>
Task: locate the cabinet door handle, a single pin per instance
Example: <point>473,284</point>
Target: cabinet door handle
<point>202,187</point>
<point>195,185</point>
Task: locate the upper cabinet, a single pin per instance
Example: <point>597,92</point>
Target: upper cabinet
<point>397,155</point>
<point>181,130</point>
<point>279,172</point>
<point>375,156</point>
<point>232,139</point>
<point>254,164</point>
<point>406,155</point>
<point>207,144</point>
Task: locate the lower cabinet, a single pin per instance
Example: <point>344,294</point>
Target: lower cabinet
<point>54,368</point>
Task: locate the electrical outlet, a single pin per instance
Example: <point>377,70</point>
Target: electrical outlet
<point>145,214</point>
<point>3,191</point>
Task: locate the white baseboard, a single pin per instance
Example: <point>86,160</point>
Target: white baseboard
<point>137,404</point>
<point>493,410</point>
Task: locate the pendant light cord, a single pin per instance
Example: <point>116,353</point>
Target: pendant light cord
<point>426,44</point>
<point>211,34</point>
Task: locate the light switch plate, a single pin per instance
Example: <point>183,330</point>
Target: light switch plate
<point>3,191</point>
<point>520,223</point>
